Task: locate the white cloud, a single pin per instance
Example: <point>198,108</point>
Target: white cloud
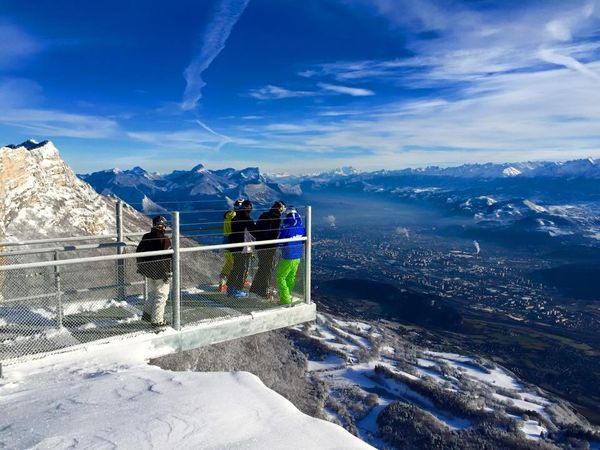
<point>403,231</point>
<point>189,139</point>
<point>214,38</point>
<point>19,107</point>
<point>473,43</point>
<point>550,114</point>
<point>559,30</point>
<point>16,45</point>
<point>517,84</point>
<point>184,139</point>
<point>48,122</point>
<point>330,220</point>
<point>271,92</point>
<point>284,127</point>
<point>553,57</point>
<point>355,92</point>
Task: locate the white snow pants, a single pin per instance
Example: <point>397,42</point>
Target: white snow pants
<point>158,293</point>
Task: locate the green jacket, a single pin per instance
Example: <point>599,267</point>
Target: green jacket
<point>229,215</point>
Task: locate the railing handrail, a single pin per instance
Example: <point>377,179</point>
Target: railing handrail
<point>91,259</point>
<point>69,239</point>
<point>203,248</point>
<point>64,248</point>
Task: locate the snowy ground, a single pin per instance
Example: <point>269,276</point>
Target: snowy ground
<point>108,397</point>
<point>346,356</point>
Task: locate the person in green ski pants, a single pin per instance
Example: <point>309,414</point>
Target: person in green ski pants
<point>291,253</point>
<point>286,279</point>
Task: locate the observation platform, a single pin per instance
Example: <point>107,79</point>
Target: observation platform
<point>66,303</point>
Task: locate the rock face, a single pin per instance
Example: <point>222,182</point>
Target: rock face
<point>40,196</point>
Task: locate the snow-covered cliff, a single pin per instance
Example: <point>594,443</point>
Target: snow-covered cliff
<point>41,196</point>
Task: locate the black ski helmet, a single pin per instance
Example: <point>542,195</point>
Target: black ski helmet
<point>159,222</point>
<point>279,205</point>
<point>247,205</point>
<point>238,204</point>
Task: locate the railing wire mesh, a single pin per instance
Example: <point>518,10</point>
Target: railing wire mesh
<point>49,308</point>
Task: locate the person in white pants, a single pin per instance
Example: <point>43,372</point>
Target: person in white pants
<point>154,306</point>
<point>156,270</point>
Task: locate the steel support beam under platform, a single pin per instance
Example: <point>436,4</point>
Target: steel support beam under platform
<point>191,336</point>
<point>214,332</point>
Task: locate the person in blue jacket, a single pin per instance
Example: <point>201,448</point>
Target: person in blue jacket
<point>291,253</point>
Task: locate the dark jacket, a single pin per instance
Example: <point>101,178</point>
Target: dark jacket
<point>267,227</point>
<point>155,267</point>
<point>241,223</point>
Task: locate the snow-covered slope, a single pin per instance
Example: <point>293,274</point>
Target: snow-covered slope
<point>511,172</point>
<point>113,399</point>
<point>41,196</point>
<point>392,392</point>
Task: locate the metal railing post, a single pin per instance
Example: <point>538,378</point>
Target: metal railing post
<point>176,287</point>
<point>57,286</point>
<point>120,250</point>
<point>145,289</point>
<point>308,256</point>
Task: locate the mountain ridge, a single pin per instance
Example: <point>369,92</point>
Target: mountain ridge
<point>41,196</point>
<point>137,186</point>
<point>585,167</point>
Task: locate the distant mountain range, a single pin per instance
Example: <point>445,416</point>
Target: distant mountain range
<point>558,199</point>
<point>147,190</point>
<point>579,168</point>
<point>518,198</point>
<point>585,168</point>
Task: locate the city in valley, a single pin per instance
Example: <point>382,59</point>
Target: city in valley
<point>462,295</point>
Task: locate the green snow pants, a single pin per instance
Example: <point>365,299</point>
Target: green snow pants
<point>286,279</point>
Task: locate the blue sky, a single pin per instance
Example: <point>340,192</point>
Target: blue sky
<point>301,86</point>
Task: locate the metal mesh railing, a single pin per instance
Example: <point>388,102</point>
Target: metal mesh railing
<point>244,282</point>
<point>47,308</point>
<point>57,306</point>
<point>58,293</point>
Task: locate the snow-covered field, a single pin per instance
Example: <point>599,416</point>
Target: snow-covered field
<point>108,397</point>
<point>366,368</point>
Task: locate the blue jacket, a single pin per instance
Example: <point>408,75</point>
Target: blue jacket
<point>292,227</point>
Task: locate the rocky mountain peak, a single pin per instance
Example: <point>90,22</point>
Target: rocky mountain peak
<point>198,168</point>
<point>41,196</point>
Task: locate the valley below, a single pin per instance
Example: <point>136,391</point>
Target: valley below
<point>474,297</point>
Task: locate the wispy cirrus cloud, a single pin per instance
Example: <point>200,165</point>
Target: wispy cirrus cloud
<point>549,114</point>
<point>473,43</point>
<point>503,84</point>
<point>17,44</point>
<point>50,122</point>
<point>202,138</point>
<point>20,107</point>
<point>353,91</point>
<point>271,92</point>
<point>214,39</point>
<point>568,61</point>
<point>184,139</point>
